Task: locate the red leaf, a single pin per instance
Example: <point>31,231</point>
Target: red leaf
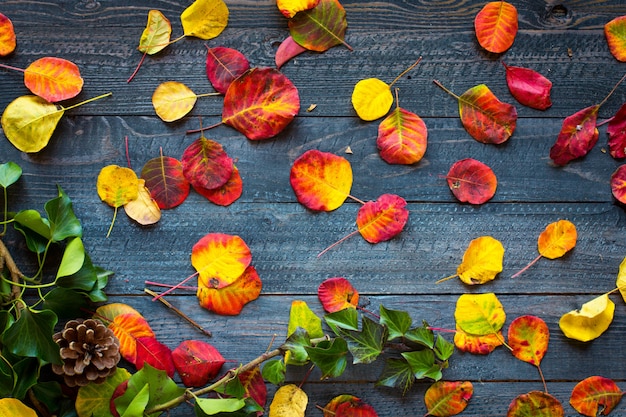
<point>577,137</point>
<point>155,353</point>
<point>618,184</point>
<point>595,395</point>
<point>496,26</point>
<point>355,408</point>
<point>165,179</point>
<point>337,294</point>
<point>287,50</point>
<point>402,137</point>
<point>471,181</point>
<point>382,219</point>
<point>616,130</point>
<point>229,300</point>
<point>528,87</point>
<point>206,164</point>
<point>7,36</point>
<point>197,362</point>
<point>227,193</point>
<point>529,336</point>
<point>223,66</point>
<point>330,409</point>
<point>118,392</point>
<point>260,103</point>
<point>254,385</point>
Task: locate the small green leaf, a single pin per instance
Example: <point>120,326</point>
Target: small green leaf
<point>9,174</point>
<point>367,344</point>
<point>295,345</point>
<point>422,336</point>
<point>213,406</point>
<point>31,219</point>
<point>273,371</point>
<point>31,335</point>
<point>50,394</point>
<point>330,357</point>
<point>73,259</point>
<point>86,278</point>
<point>397,374</point>
<point>343,319</point>
<point>397,322</point>
<point>138,403</point>
<point>423,364</point>
<point>7,379</point>
<point>443,348</point>
<point>63,221</point>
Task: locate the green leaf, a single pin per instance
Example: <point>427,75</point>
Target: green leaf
<point>85,278</point>
<point>9,174</point>
<point>397,322</point>
<point>31,219</point>
<point>397,374</point>
<point>94,399</point>
<point>31,336</point>
<point>330,357</point>
<point>300,315</point>
<point>422,336</point>
<point>443,348</point>
<point>27,372</point>
<point>213,406</point>
<point>73,259</point>
<point>63,221</point>
<point>102,278</point>
<point>367,344</point>
<point>343,319</point>
<point>251,409</point>
<point>295,345</point>
<point>65,303</point>
<point>273,371</point>
<point>7,378</point>
<point>138,403</point>
<point>423,364</point>
<point>50,394</point>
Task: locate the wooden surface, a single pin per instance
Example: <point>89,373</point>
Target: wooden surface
<point>564,41</point>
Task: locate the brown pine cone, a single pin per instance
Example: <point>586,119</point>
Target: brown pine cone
<point>90,352</point>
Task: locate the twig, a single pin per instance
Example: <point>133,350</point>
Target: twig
<point>177,311</point>
<point>16,274</point>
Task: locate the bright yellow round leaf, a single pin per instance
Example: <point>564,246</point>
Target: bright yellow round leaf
<point>479,314</point>
<point>15,408</point>
<point>205,19</point>
<point>557,239</point>
<point>289,401</point>
<point>144,210</point>
<point>173,100</point>
<point>482,261</point>
<point>590,321</point>
<point>117,185</point>
<point>371,99</point>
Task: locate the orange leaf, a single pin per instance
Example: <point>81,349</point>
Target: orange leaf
<point>402,137</point>
<point>536,404</point>
<point>529,336</point>
<point>289,8</point>
<point>53,79</point>
<point>496,26</point>
<point>337,294</point>
<point>321,180</point>
<point>229,300</point>
<point>448,398</point>
<point>477,345</point>
<point>382,219</point>
<point>471,181</point>
<point>7,36</point>
<point>227,193</point>
<point>595,395</point>
<point>615,32</point>
<point>330,410</point>
<point>220,259</point>
<point>557,239</point>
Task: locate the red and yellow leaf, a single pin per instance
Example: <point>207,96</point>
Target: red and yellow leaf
<point>618,184</point>
<point>330,409</point>
<point>223,66</point>
<point>289,8</point>
<point>229,300</point>
<point>206,164</point>
<point>320,28</point>
<point>529,337</point>
<point>472,181</point>
<point>321,180</point>
<point>144,210</point>
<point>227,193</point>
<point>254,385</point>
<point>448,398</point>
<point>205,19</point>
<point>402,137</point>
<point>557,239</point>
<point>165,179</point>
<point>615,32</point>
<point>479,314</point>
<point>577,137</point>
<point>355,408</point>
<point>595,396</point>
<point>154,353</point>
<point>484,117</point>
<point>197,362</point>
<point>616,129</point>
<point>7,36</point>
<point>287,50</point>
<point>535,404</point>
<point>117,185</point>
<point>477,345</point>
<point>337,294</point>
<point>382,219</point>
<point>496,26</point>
<point>220,259</point>
<point>260,103</point>
<point>173,100</point>
<point>529,87</point>
<point>53,79</point>
<point>156,35</point>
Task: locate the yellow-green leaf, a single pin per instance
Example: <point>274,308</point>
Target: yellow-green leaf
<point>301,315</point>
<point>117,185</point>
<point>205,19</point>
<point>590,321</point>
<point>94,400</point>
<point>621,279</point>
<point>173,100</point>
<point>156,35</point>
<point>479,314</point>
<point>289,401</point>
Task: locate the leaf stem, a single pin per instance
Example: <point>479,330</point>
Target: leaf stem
<point>112,222</point>
<point>356,199</point>
<point>337,243</point>
<point>180,287</point>
<point>207,94</point>
<point>534,261</point>
<point>178,312</point>
<point>543,379</point>
<point>88,101</point>
<point>438,84</point>
<point>12,68</point>
<point>446,278</point>
<point>405,71</point>
<point>174,287</point>
<point>143,57</point>
<point>202,129</point>
<point>613,90</point>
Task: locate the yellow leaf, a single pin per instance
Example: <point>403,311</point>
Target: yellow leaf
<point>15,408</point>
<point>156,35</point>
<point>173,100</point>
<point>95,399</point>
<point>144,210</point>
<point>371,99</point>
<point>289,8</point>
<point>479,314</point>
<point>590,321</point>
<point>205,19</point>
<point>117,185</point>
<point>289,401</point>
<point>557,239</point>
<point>621,279</point>
<point>482,261</point>
<point>301,315</point>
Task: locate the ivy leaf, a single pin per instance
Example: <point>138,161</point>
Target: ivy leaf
<point>423,364</point>
<point>397,374</point>
<point>346,319</point>
<point>94,399</point>
<point>205,19</point>
<point>595,395</point>
<point>296,345</point>
<point>34,228</point>
<point>10,172</point>
<point>320,28</point>
<point>302,317</point>
<point>329,356</point>
<point>367,344</point>
<point>274,371</point>
<point>31,336</point>
<point>443,349</point>
<point>397,322</point>
<point>85,279</point>
<point>63,221</point>
<point>73,258</point>
<point>66,303</point>
<point>26,374</point>
<point>422,336</point>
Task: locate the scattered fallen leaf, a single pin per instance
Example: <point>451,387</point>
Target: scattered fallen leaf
<point>229,300</point>
<point>448,398</point>
<point>595,396</point>
<point>7,36</point>
<point>336,294</point>
<point>206,164</point>
<point>173,100</point>
<point>590,321</point>
<point>496,26</point>
<point>402,137</point>
<point>223,66</point>
<point>321,27</point>
<point>156,36</point>
<point>615,32</point>
<point>482,261</point>
<point>536,404</point>
<point>472,181</point>
<point>479,314</point>
<point>117,186</point>
<point>289,8</point>
<point>144,210</point>
<point>618,184</point>
<point>311,108</point>
<point>477,345</point>
<point>616,129</point>
<point>381,220</point>
<point>205,19</point>
<point>289,401</point>
<point>620,282</point>
<point>156,354</point>
<point>220,259</point>
<point>287,50</point>
<point>197,362</point>
<point>330,410</point>
<point>53,79</point>
<point>528,87</point>
<point>355,407</point>
<point>227,193</point>
<point>301,315</point>
<point>529,336</point>
<point>165,179</point>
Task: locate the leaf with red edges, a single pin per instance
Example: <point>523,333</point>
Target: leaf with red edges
<point>496,26</point>
<point>53,79</point>
<point>287,50</point>
<point>220,259</point>
<point>535,404</point>
<point>155,353</point>
<point>448,398</point>
<point>260,103</point>
<point>156,36</point>
<point>382,219</point>
<point>615,32</point>
<point>529,337</point>
<point>616,130</point>
<point>475,344</point>
<point>618,184</point>
<point>595,395</point>
<point>206,164</point>
<point>471,181</point>
<point>337,294</point>
<point>528,87</point>
<point>7,36</point>
<point>320,28</point>
<point>230,300</point>
<point>254,385</point>
<point>165,179</point>
<point>197,362</point>
<point>330,409</point>
<point>223,66</point>
<point>578,136</point>
<point>402,137</point>
<point>227,193</point>
<point>289,8</point>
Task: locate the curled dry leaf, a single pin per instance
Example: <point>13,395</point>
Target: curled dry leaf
<point>289,8</point>
<point>618,184</point>
<point>615,32</point>
<point>289,401</point>
<point>528,87</point>
<point>620,282</point>
<point>496,26</point>
<point>144,210</point>
<point>479,314</point>
<point>223,66</point>
<point>381,220</point>
<point>590,321</point>
<point>321,27</point>
<point>287,50</point>
<point>402,137</point>
<point>173,100</point>
<point>205,19</point>
<point>595,396</point>
<point>472,181</point>
<point>536,404</point>
<point>7,36</point>
<point>448,398</point>
<point>53,79</point>
<point>337,294</point>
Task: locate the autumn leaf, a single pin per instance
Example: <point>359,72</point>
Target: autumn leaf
<point>144,210</point>
<point>227,193</point>
<point>117,186</point>
<point>330,409</point>
<point>479,314</point>
<point>321,180</point>
<point>618,184</point>
<point>472,181</point>
<point>620,282</point>
<point>336,294</point>
<point>528,87</point>
<point>381,220</point>
<point>165,179</point>
<point>616,129</point>
<point>300,315</point>
<point>254,385</point>
<point>482,261</point>
<point>229,300</point>
<point>260,103</point>
<point>154,38</point>
<point>595,395</point>
<point>16,408</point>
<point>402,137</point>
<point>223,66</point>
<point>7,36</point>
<point>320,28</point>
<point>287,50</point>
<point>289,8</point>
<point>206,164</point>
<point>536,404</point>
<point>151,351</point>
<point>53,79</point>
<point>529,336</point>
<point>205,19</point>
<point>590,321</point>
<point>477,345</point>
<point>94,400</point>
<point>483,115</point>
<point>220,259</point>
<point>496,26</point>
<point>173,100</point>
<point>197,362</point>
<point>289,401</point>
<point>448,398</point>
<point>355,407</point>
<point>615,32</point>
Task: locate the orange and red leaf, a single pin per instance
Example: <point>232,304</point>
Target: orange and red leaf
<point>381,220</point>
<point>448,398</point>
<point>618,184</point>
<point>472,181</point>
<point>165,179</point>
<point>557,239</point>
<point>206,164</point>
<point>7,36</point>
<point>496,26</point>
<point>615,32</point>
<point>595,396</point>
<point>529,337</point>
<point>485,117</point>
<point>477,344</point>
<point>227,193</point>
<point>53,79</point>
<point>577,137</point>
<point>220,259</point>
<point>231,299</point>
<point>223,66</point>
<point>337,294</point>
<point>402,137</point>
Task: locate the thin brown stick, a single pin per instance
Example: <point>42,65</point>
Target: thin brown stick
<point>178,312</point>
<point>14,271</point>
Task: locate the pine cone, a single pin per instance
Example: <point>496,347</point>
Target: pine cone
<point>90,352</point>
